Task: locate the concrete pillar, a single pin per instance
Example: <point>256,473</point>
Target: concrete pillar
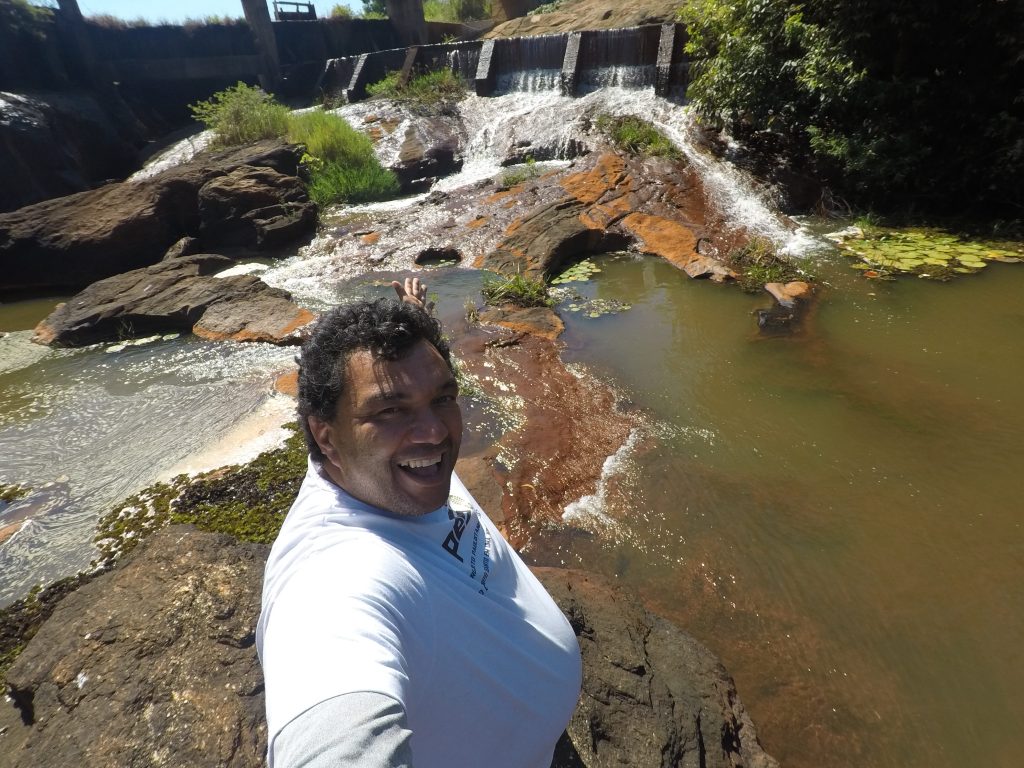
<point>485,75</point>
<point>407,18</point>
<point>258,17</point>
<point>356,90</point>
<point>570,64</point>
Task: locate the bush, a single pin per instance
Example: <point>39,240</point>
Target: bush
<point>635,135</point>
<point>343,166</point>
<point>456,10</point>
<point>341,162</point>
<point>520,290</point>
<point>429,88</point>
<point>241,115</point>
<point>341,12</point>
<point>870,90</point>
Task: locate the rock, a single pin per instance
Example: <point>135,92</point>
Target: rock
<point>429,151</point>
<point>151,664</point>
<point>154,663</point>
<point>67,243</point>
<point>793,302</point>
<point>788,294</point>
<point>652,695</point>
<point>176,295</point>
<point>254,207</point>
<point>539,321</point>
<point>184,247</point>
<point>54,144</point>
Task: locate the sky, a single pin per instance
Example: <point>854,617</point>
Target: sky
<point>179,10</point>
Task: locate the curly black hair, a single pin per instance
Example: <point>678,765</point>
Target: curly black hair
<point>385,327</point>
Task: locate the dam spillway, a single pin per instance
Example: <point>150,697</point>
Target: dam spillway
<point>649,56</point>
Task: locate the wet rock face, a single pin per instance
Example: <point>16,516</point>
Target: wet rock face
<point>55,144</point>
<point>66,243</point>
<point>652,695</point>
<point>176,295</point>
<point>429,152</point>
<point>153,664</point>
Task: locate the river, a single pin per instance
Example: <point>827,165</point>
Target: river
<point>835,513</point>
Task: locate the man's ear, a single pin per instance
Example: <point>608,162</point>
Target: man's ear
<point>324,436</point>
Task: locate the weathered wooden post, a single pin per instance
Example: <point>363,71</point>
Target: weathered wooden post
<point>258,17</point>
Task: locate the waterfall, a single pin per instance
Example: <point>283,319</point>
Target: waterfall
<point>529,63</point>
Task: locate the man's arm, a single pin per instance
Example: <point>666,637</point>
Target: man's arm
<point>355,729</point>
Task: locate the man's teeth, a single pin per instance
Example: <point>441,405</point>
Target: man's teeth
<point>418,463</point>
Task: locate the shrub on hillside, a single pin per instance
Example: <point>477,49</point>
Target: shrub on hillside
<point>242,114</point>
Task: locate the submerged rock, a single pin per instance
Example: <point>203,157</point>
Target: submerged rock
<point>154,663</point>
<point>178,294</point>
<point>69,242</point>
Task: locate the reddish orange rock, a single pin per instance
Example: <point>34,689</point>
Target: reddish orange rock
<point>788,294</point>
<point>269,329</point>
<point>288,384</point>
<point>607,176</point>
<point>370,238</point>
<point>674,243</point>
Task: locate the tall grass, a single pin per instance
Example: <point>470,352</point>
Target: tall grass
<point>428,88</point>
<point>341,162</point>
<point>636,135</point>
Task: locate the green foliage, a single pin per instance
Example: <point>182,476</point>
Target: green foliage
<point>759,262</point>
<point>548,7</point>
<point>341,162</point>
<point>341,12</point>
<point>873,91</point>
<point>636,135</point>
<point>343,166</point>
<point>456,10</point>
<point>519,290</point>
<point>374,9</point>
<point>427,89</point>
<point>525,173</point>
<point>19,16</point>
<point>242,114</point>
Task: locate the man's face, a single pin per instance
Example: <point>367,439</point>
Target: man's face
<point>396,433</point>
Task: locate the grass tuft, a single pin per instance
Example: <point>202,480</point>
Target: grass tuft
<point>636,135</point>
<point>519,290</point>
<point>759,262</point>
<point>428,89</point>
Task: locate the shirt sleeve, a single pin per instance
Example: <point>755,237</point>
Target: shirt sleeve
<point>369,730</point>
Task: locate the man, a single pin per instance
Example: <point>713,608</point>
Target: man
<point>398,627</point>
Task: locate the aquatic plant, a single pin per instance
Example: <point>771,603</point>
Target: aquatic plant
<point>636,135</point>
<point>519,290</point>
<point>928,253</point>
<point>581,271</point>
<point>758,262</point>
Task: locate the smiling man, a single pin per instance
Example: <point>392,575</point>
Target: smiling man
<point>398,627</point>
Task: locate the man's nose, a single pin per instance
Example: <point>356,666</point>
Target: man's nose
<point>428,427</point>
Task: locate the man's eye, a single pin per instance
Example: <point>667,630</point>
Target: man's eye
<point>446,399</point>
<point>390,411</point>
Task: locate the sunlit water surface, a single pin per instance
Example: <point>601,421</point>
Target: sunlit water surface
<point>838,513</point>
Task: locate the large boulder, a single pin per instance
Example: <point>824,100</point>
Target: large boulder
<point>180,294</point>
<point>69,242</point>
<point>429,151</point>
<point>154,664</point>
<point>652,695</point>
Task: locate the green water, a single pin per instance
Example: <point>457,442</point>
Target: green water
<point>838,513</point>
